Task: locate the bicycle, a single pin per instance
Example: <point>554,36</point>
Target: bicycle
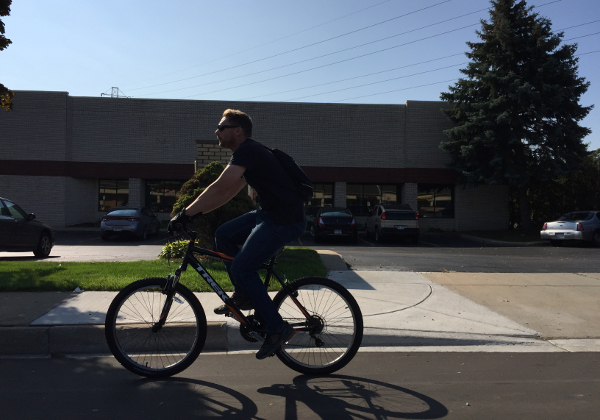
<point>156,327</point>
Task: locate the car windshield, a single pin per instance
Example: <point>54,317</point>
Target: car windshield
<point>577,216</point>
<point>123,213</point>
<point>399,215</point>
<point>14,211</point>
<point>400,207</point>
<point>336,213</point>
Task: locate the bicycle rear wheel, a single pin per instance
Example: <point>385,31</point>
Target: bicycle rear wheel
<point>148,351</point>
<point>332,336</point>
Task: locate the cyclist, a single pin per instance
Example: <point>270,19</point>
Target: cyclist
<point>254,237</point>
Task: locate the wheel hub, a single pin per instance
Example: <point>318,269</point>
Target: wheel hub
<point>316,325</point>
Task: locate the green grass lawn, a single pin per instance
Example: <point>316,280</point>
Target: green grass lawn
<point>101,276</point>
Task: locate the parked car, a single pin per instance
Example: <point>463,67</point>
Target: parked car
<point>137,221</point>
<point>20,231</point>
<point>574,226</point>
<point>311,212</point>
<point>334,222</point>
<point>392,220</point>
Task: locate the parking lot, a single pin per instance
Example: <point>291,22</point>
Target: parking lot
<point>436,252</point>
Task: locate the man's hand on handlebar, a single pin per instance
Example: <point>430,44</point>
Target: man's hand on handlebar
<point>179,222</point>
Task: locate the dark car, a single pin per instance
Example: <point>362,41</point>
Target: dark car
<point>334,222</point>
<point>20,231</point>
<point>136,221</point>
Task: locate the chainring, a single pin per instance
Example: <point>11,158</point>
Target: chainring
<point>255,325</point>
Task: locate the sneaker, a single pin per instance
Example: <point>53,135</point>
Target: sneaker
<point>274,341</point>
<point>242,302</point>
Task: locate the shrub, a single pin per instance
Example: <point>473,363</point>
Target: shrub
<point>207,224</point>
<point>173,250</point>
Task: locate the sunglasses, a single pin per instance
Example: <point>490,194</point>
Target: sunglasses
<point>222,127</point>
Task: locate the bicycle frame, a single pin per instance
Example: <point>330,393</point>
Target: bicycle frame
<point>190,259</point>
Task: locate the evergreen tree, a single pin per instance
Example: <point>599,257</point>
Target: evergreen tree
<point>516,113</point>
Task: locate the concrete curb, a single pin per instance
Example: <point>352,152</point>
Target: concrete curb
<point>497,242</point>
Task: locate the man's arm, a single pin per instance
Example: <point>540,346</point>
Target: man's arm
<point>229,183</point>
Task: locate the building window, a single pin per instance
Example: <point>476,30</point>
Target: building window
<point>322,195</point>
<point>361,198</point>
<point>112,193</point>
<point>161,196</point>
<point>435,200</point>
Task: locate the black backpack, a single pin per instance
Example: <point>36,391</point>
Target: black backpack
<point>303,185</point>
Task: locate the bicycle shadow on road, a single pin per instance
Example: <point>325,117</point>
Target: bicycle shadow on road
<point>350,397</point>
<point>328,397</point>
<point>194,398</point>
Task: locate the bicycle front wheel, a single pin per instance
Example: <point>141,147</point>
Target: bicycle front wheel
<point>140,344</point>
<point>330,338</point>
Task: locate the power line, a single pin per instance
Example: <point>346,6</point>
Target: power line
<point>582,36</point>
<point>355,77</point>
<point>293,50</point>
<point>267,43</point>
<point>313,58</point>
<point>374,83</point>
<point>577,26</point>
<point>396,90</point>
<point>429,84</point>
<point>322,56</point>
<point>363,85</point>
<point>331,64</point>
<point>332,53</point>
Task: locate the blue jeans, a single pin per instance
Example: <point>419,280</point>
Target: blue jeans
<point>260,238</point>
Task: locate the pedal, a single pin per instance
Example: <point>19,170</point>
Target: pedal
<point>231,315</point>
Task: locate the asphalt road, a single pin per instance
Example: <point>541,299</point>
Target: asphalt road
<point>450,252</point>
<point>373,386</point>
<point>435,253</point>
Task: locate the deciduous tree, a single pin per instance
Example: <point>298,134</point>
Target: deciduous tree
<point>5,94</point>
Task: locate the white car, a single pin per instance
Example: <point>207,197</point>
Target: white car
<point>393,220</point>
<point>574,226</point>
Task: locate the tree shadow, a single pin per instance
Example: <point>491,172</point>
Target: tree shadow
<point>349,397</point>
<point>96,388</point>
<point>33,277</point>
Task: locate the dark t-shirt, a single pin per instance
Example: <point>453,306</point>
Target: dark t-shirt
<point>276,191</point>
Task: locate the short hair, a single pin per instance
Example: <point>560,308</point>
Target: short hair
<point>240,118</point>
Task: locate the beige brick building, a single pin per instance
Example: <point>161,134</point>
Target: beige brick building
<point>68,159</point>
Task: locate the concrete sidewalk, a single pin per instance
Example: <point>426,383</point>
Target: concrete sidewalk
<point>402,311</point>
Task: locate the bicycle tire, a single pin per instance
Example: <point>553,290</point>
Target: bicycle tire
<point>166,352</point>
<point>341,326</point>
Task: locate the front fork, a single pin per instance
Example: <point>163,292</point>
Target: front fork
<point>169,291</point>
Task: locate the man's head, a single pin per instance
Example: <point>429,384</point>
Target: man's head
<point>234,128</point>
<point>239,118</point>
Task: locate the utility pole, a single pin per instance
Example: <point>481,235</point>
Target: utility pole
<point>115,92</point>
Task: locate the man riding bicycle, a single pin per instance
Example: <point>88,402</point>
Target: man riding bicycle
<point>260,233</point>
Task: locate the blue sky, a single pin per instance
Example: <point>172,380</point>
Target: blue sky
<point>351,51</point>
